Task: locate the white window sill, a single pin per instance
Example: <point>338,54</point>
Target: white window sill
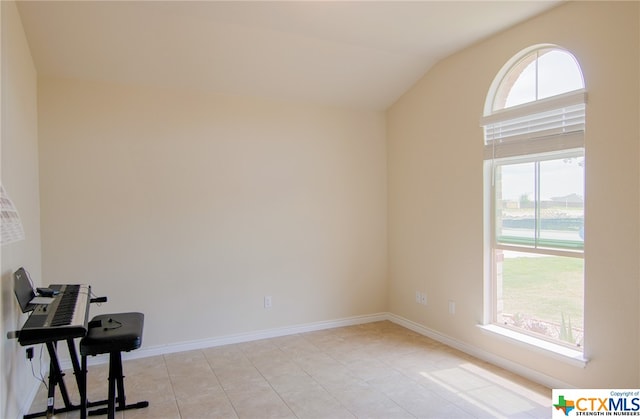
<point>562,353</point>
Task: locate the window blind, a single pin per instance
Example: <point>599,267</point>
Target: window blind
<point>545,125</point>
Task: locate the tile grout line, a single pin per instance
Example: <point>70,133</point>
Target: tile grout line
<point>211,367</point>
<point>173,390</point>
<point>271,386</point>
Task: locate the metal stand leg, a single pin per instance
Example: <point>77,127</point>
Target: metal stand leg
<point>55,379</point>
<point>74,361</point>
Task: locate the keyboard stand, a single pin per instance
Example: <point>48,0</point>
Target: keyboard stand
<point>56,377</point>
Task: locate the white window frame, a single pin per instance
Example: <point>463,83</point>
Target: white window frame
<point>541,130</point>
<point>538,244</point>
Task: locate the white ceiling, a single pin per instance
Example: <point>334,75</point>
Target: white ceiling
<point>362,54</point>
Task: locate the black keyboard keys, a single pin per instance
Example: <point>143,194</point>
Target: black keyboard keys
<point>66,306</point>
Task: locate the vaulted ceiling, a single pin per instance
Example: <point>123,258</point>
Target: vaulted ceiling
<point>362,54</point>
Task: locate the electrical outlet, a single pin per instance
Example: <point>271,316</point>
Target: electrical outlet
<point>452,307</point>
<point>421,298</point>
<point>29,353</point>
<point>267,301</point>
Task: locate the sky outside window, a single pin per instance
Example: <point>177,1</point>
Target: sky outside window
<point>553,73</point>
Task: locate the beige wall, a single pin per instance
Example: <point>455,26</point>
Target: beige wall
<point>20,179</point>
<point>192,208</point>
<point>435,190</point>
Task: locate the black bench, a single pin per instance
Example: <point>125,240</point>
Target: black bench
<point>112,334</point>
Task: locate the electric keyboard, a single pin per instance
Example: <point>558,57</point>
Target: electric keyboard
<point>64,318</point>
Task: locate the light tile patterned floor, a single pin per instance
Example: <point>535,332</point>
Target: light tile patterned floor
<point>375,370</point>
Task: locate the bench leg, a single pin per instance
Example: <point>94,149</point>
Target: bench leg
<point>113,376</point>
<point>116,383</point>
<point>83,388</point>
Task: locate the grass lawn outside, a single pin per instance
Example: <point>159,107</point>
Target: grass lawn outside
<point>538,291</point>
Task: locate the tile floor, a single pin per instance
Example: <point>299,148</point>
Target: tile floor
<point>375,370</point>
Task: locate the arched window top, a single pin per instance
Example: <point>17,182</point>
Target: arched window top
<point>536,103</point>
<point>536,73</point>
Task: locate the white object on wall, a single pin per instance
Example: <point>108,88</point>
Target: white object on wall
<point>12,230</point>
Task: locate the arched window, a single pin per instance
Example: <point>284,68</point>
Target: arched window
<point>543,73</point>
<point>534,122</point>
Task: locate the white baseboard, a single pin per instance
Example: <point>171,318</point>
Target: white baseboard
<point>145,352</point>
<point>489,357</point>
<point>516,368</point>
